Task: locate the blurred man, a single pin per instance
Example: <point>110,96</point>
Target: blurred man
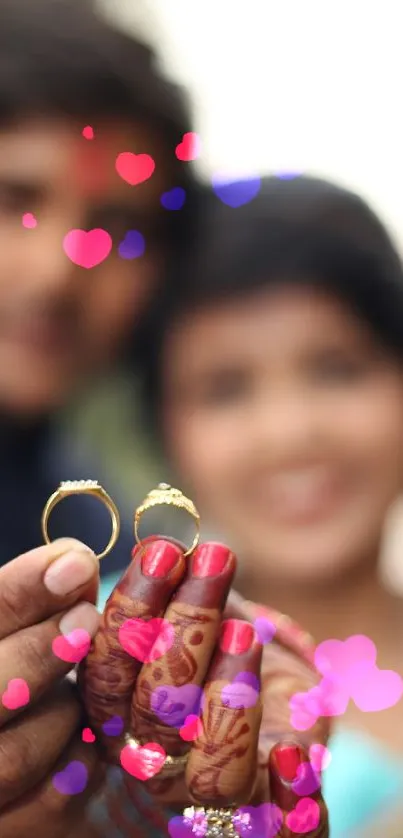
<point>74,95</point>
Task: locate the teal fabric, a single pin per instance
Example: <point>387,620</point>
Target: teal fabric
<point>362,780</point>
<point>106,588</point>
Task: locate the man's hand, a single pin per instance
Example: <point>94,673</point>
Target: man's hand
<point>44,593</point>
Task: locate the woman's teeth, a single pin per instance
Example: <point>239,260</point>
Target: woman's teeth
<point>298,491</point>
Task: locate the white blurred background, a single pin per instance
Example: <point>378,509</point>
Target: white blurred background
<point>303,85</point>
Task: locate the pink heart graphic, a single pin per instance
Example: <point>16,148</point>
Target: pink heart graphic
<point>146,640</point>
<point>192,729</point>
<point>87,248</point>
<point>73,647</point>
<point>29,221</point>
<point>306,781</point>
<point>320,757</point>
<point>87,735</point>
<point>300,717</point>
<point>16,694</point>
<point>374,689</point>
<point>143,762</point>
<point>134,168</point>
<point>338,656</point>
<point>305,817</point>
<point>189,148</point>
<point>329,698</point>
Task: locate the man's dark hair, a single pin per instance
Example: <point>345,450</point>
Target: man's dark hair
<point>62,57</point>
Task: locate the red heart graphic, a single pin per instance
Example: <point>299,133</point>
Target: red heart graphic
<point>192,729</point>
<point>189,148</point>
<point>87,248</point>
<point>134,168</point>
<point>88,132</point>
<point>73,647</point>
<point>143,762</point>
<point>146,640</point>
<point>87,735</point>
<point>16,694</point>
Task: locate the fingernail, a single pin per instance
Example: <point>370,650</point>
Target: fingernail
<point>83,616</point>
<point>236,637</point>
<point>286,760</point>
<point>210,559</point>
<point>160,558</point>
<point>70,572</point>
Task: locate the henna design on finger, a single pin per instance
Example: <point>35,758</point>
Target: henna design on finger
<point>224,742</point>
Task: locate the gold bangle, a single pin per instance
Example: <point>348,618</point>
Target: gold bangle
<point>83,487</point>
<point>165,494</point>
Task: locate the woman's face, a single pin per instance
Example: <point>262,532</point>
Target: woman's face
<point>285,419</point>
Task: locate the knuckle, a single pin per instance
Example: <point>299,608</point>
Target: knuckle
<point>18,761</point>
<point>14,601</point>
<point>35,649</point>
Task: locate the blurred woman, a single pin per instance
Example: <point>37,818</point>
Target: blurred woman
<point>276,376</point>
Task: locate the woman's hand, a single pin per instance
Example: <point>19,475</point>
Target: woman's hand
<point>163,653</point>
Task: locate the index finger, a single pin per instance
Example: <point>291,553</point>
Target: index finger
<point>39,584</point>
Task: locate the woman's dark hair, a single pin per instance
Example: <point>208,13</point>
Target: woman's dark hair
<point>63,58</point>
<point>301,230</point>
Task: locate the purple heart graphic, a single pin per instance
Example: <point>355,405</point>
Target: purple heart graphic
<point>172,705</point>
<point>239,695</point>
<point>236,193</point>
<point>72,780</point>
<point>307,780</point>
<point>248,678</point>
<point>132,246</point>
<point>258,821</point>
<point>191,825</point>
<point>265,629</point>
<point>174,199</point>
<point>114,726</point>
<point>287,175</point>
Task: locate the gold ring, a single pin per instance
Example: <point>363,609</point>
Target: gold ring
<point>165,494</point>
<point>172,765</point>
<point>83,487</point>
<point>216,823</point>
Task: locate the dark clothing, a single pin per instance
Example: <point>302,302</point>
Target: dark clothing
<point>32,464</point>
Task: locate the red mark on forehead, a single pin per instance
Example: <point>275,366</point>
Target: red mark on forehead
<point>93,167</point>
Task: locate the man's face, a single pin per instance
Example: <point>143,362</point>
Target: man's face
<point>60,321</point>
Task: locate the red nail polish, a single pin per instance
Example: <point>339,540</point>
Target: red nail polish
<point>236,637</point>
<point>287,759</point>
<point>210,559</point>
<point>159,558</point>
